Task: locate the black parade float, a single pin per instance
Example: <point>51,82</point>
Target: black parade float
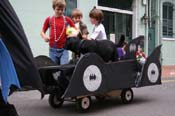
<point>92,76</point>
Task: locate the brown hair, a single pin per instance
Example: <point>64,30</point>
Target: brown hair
<point>76,13</point>
<point>97,14</point>
<point>58,3</point>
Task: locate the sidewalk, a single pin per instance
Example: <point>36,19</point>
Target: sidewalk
<point>168,71</point>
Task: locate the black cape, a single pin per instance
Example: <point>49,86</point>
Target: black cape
<point>17,44</point>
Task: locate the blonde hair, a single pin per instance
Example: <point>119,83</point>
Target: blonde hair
<point>96,14</point>
<point>58,3</point>
<point>76,13</point>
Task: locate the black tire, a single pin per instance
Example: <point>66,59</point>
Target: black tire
<point>55,101</point>
<point>84,104</point>
<point>127,96</point>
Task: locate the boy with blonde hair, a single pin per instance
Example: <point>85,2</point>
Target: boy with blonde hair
<point>57,26</point>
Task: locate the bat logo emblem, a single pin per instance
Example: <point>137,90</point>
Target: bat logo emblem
<point>92,78</point>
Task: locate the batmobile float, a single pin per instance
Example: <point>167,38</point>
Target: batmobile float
<point>91,76</point>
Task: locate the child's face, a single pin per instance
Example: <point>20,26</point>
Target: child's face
<point>59,11</point>
<point>94,21</point>
<point>77,19</point>
<point>139,49</point>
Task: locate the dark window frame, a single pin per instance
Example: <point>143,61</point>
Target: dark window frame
<point>167,16</point>
<point>119,14</point>
<point>118,4</point>
<point>70,5</point>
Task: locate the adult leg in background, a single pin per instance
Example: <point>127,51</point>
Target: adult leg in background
<point>6,109</point>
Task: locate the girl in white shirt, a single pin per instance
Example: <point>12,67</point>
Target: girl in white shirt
<point>96,17</point>
<point>98,32</point>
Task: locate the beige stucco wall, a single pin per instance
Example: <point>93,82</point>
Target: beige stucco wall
<point>32,15</point>
<point>168,44</point>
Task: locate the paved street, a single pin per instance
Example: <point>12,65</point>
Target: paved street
<point>156,100</point>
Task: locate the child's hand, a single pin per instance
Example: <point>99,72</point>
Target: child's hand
<point>46,39</point>
<point>84,36</point>
<point>72,35</point>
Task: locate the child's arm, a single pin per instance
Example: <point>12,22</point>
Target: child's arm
<point>46,25</point>
<point>44,36</point>
<point>84,36</point>
<point>143,54</point>
<point>94,34</point>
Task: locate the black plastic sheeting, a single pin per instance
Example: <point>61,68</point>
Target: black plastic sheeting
<point>16,42</point>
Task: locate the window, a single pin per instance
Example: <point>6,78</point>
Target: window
<point>118,16</point>
<point>167,20</point>
<point>119,4</point>
<point>118,24</point>
<point>70,4</point>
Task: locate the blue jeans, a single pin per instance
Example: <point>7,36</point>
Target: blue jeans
<point>59,56</point>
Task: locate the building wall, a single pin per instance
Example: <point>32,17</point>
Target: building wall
<point>168,47</point>
<point>141,10</point>
<point>142,29</point>
<point>32,14</point>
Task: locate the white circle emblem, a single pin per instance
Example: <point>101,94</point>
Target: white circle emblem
<point>92,78</point>
<point>153,73</point>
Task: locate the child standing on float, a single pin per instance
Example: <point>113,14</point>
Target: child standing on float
<point>57,38</point>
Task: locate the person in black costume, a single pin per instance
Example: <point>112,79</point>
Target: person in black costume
<point>17,44</point>
<point>6,109</point>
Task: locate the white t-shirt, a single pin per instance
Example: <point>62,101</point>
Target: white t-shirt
<point>99,33</point>
<point>77,25</point>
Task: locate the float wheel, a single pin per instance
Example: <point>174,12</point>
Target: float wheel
<point>55,101</point>
<point>84,103</point>
<point>127,96</point>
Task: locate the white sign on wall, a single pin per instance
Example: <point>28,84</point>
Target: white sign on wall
<point>144,2</point>
<point>112,37</point>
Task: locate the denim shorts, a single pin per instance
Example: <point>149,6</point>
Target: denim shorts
<point>59,55</point>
